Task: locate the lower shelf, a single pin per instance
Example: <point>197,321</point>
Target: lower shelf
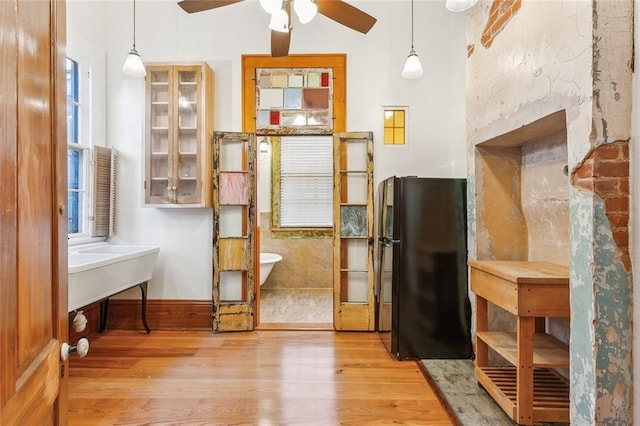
<point>550,392</point>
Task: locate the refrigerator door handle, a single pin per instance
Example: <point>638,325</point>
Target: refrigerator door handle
<point>387,241</point>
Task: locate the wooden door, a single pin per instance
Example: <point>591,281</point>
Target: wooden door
<point>33,260</point>
<point>353,274</point>
<point>234,232</point>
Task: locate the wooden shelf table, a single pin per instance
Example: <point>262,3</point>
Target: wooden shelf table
<point>532,291</point>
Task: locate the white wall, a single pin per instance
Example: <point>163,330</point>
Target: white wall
<point>436,127</point>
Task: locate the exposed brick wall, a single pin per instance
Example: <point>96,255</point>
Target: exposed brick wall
<point>605,172</point>
<point>501,12</point>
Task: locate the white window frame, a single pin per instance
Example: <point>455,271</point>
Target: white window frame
<point>85,143</point>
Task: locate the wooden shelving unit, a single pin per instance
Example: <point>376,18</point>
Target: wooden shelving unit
<point>530,390</point>
<point>179,129</point>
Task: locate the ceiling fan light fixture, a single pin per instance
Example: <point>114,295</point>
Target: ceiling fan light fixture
<point>459,5</point>
<point>279,21</point>
<point>412,66</point>
<point>270,6</point>
<point>305,9</point>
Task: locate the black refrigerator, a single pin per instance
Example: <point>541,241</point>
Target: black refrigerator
<point>422,301</point>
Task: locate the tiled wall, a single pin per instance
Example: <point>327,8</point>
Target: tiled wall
<point>306,262</point>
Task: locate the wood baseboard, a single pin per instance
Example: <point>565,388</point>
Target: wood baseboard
<point>161,315</point>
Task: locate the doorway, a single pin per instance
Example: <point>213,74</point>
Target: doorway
<point>299,290</point>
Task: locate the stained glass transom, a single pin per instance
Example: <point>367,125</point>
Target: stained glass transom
<point>294,101</point>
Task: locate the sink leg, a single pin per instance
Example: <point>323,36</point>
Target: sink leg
<point>143,291</point>
<point>104,312</point>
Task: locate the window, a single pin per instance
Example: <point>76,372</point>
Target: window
<point>77,151</point>
<point>395,125</point>
<point>306,182</point>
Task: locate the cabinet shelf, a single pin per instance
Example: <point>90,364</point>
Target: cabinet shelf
<point>160,154</point>
<point>547,350</point>
<point>550,392</point>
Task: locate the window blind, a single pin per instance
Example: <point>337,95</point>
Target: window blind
<point>306,181</point>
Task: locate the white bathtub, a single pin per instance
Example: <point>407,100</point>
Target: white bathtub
<point>267,262</point>
<point>100,270</point>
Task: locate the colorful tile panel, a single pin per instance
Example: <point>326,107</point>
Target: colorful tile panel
<point>353,221</point>
<point>324,79</point>
<point>274,118</point>
<point>313,79</point>
<point>315,99</point>
<point>294,99</point>
<point>234,188</point>
<point>271,98</point>
<point>233,254</point>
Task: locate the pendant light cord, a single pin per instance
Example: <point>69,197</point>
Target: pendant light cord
<point>411,24</point>
<point>134,24</point>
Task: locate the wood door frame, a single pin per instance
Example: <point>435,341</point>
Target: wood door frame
<point>250,63</point>
<point>337,61</point>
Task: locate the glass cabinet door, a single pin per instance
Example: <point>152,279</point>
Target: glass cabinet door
<point>159,166</point>
<point>187,165</point>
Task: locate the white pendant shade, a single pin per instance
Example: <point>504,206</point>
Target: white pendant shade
<point>459,5</point>
<point>412,67</point>
<point>133,65</point>
<point>305,9</point>
<point>279,21</point>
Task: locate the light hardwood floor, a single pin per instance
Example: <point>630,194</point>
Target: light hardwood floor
<point>247,378</point>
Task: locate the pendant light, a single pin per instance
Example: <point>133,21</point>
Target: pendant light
<point>133,65</point>
<point>412,67</point>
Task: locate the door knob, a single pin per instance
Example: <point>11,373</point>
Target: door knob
<point>82,348</point>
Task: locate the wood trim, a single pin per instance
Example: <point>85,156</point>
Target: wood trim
<point>8,194</point>
<point>162,314</point>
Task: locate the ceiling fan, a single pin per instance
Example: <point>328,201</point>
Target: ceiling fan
<point>336,10</point>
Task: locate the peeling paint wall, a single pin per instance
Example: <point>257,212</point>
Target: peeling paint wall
<point>574,56</point>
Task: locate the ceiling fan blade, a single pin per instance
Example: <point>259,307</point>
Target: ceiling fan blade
<point>280,43</point>
<point>346,15</point>
<point>192,6</point>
